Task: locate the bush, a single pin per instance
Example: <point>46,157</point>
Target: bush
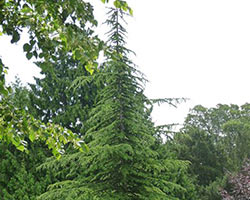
<point>239,185</point>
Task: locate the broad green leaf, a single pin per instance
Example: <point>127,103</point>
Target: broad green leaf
<point>58,156</point>
<point>29,55</point>
<point>78,54</point>
<point>85,147</point>
<point>35,54</point>
<point>16,142</point>
<point>26,9</point>
<point>90,68</point>
<point>27,47</point>
<point>3,90</point>
<point>21,148</point>
<point>130,11</point>
<point>32,136</point>
<point>15,37</point>
<point>63,139</point>
<point>117,4</point>
<point>124,6</point>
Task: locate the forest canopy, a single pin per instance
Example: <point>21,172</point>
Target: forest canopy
<point>84,130</point>
<point>53,28</point>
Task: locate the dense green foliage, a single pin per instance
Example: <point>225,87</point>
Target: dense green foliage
<point>54,100</point>
<point>19,178</point>
<point>53,27</point>
<point>22,180</point>
<point>45,22</point>
<point>215,141</point>
<point>122,162</point>
<point>104,105</point>
<point>16,126</point>
<point>50,100</point>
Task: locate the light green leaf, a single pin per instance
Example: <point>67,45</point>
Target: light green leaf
<point>130,11</point>
<point>16,142</point>
<point>26,10</point>
<point>21,148</point>
<point>32,136</point>
<point>58,156</point>
<point>85,147</point>
<point>90,68</point>
<point>117,4</point>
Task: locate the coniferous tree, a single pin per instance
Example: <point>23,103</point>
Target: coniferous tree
<point>50,100</point>
<point>122,162</point>
<point>71,36</point>
<point>54,100</point>
<point>19,178</point>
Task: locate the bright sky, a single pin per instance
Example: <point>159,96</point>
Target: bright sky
<point>199,49</point>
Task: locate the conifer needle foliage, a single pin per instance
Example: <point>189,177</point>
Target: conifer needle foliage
<point>122,163</point>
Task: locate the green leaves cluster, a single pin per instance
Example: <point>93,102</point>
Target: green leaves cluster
<point>215,141</point>
<point>120,4</point>
<point>16,126</point>
<point>3,89</point>
<point>54,26</point>
<point>51,100</point>
<point>51,26</point>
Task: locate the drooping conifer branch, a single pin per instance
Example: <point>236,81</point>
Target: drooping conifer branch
<point>122,163</point>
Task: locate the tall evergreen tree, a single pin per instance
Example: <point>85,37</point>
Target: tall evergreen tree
<point>50,100</point>
<point>19,178</point>
<point>53,100</point>
<point>122,163</point>
<point>43,19</point>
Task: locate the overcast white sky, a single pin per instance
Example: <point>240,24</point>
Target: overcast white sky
<point>199,49</point>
